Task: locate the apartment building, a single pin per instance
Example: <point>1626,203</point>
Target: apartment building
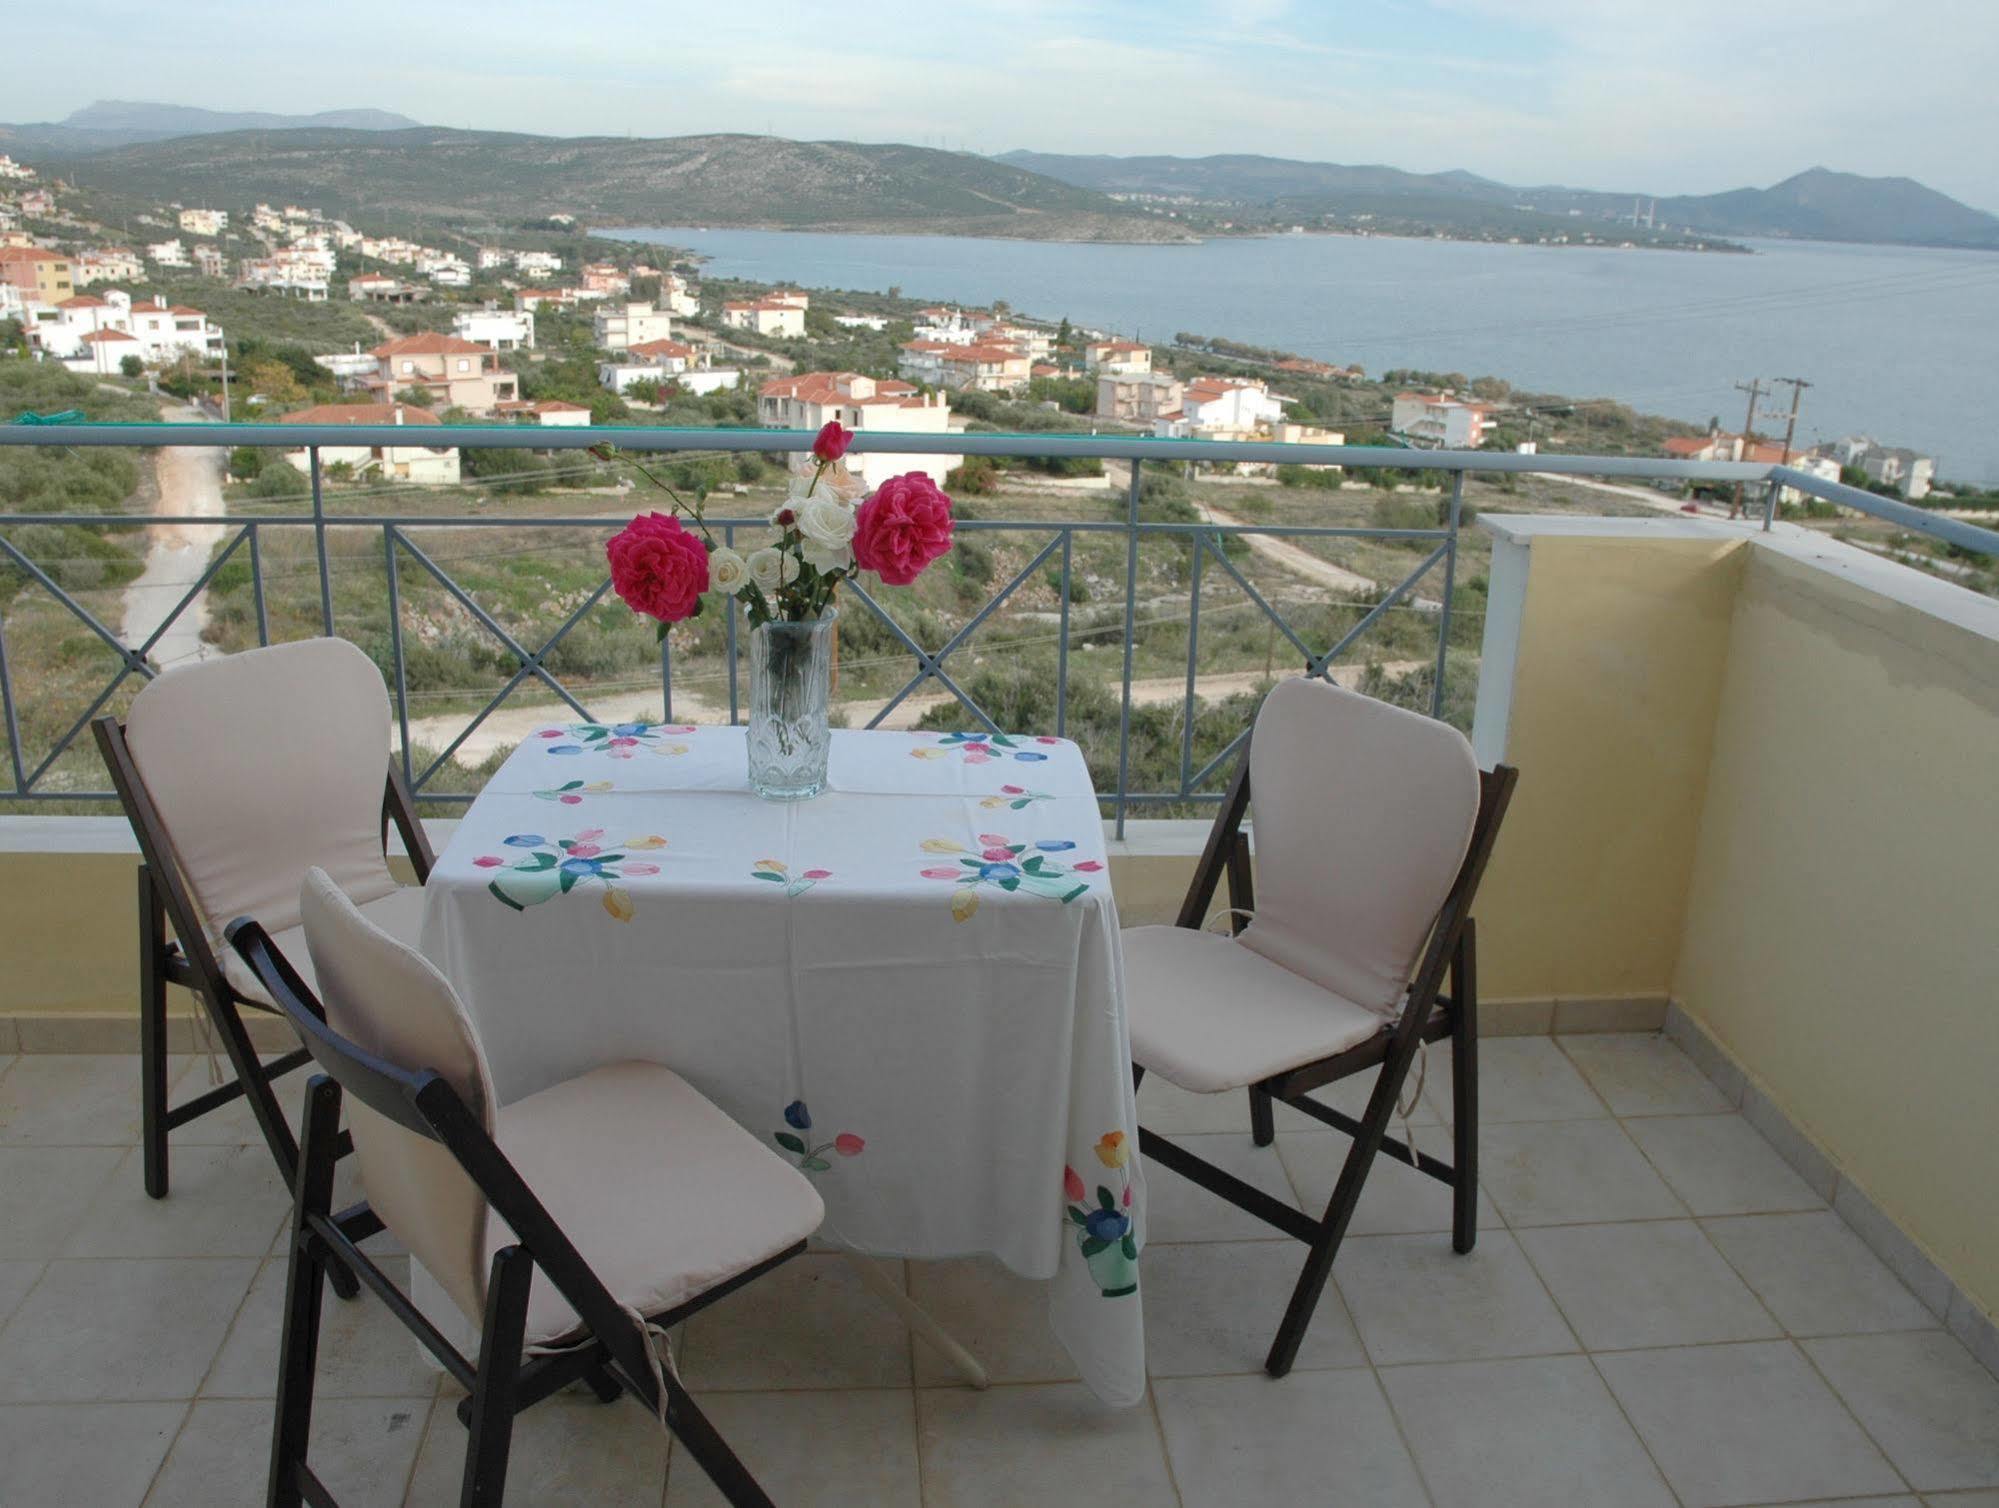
<point>809,400</point>
<point>456,373</point>
<point>42,275</point>
<point>109,264</point>
<point>766,316</point>
<point>204,222</point>
<point>1222,408</point>
<point>1137,397</point>
<point>1439,419</point>
<point>169,253</point>
<point>1124,357</point>
<point>619,327</point>
<point>496,329</point>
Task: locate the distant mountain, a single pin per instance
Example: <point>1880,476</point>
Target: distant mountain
<point>752,181</point>
<point>1816,205</point>
<point>109,123</point>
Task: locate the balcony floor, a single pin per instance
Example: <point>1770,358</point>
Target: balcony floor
<point>1659,1310</point>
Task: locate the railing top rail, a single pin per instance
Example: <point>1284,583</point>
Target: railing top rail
<point>1119,447</point>
<point>1951,530</point>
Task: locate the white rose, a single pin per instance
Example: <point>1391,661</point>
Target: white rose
<point>766,568</point>
<point>826,522</point>
<point>825,559</point>
<point>728,572</point>
<point>790,565</point>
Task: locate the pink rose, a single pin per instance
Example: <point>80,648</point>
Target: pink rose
<point>658,568</point>
<point>943,874</point>
<point>487,861</point>
<point>997,855</point>
<point>1012,790</point>
<point>848,1145</point>
<point>551,733</point>
<point>832,441</point>
<point>1088,866</point>
<point>818,874</point>
<point>901,528</point>
<point>636,869</point>
<point>590,835</point>
<point>572,799</point>
<point>584,850</point>
<point>1072,1185</point>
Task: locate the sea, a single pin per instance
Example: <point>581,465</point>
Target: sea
<point>1897,343</point>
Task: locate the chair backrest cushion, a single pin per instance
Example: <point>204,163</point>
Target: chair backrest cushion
<point>1363,813</point>
<point>262,764</point>
<point>387,998</point>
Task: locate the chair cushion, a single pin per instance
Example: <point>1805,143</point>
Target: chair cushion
<point>1210,1014</point>
<point>662,1193</point>
<point>399,913</point>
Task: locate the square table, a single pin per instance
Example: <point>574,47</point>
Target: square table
<point>910,986</point>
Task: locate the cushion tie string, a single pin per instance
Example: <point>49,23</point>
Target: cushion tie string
<point>659,1357</point>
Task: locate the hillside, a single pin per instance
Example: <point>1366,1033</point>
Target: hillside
<point>1816,205</point>
<point>750,181</point>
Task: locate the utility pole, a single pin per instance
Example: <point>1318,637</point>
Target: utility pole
<point>1755,390</point>
<point>1797,385</point>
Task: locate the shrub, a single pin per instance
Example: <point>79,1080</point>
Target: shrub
<point>132,366</point>
<point>245,461</point>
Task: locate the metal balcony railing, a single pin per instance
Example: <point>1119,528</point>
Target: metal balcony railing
<point>1206,544</point>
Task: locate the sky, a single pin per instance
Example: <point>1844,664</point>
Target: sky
<point>1658,96</point>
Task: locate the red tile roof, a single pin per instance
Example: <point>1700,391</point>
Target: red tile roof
<point>429,344</point>
<point>661,348</point>
<point>110,335</point>
<point>83,301</point>
<point>362,413</point>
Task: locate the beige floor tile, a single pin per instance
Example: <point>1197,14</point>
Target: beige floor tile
<point>1721,1165</point>
<point>1165,1107</point>
<point>997,1315</point>
<point>1179,1210</point>
<point>223,1202</point>
<point>72,1100</point>
<point>69,1455</point>
<point>1396,1200</point>
<point>564,1452</point>
<point>1816,1275</point>
<point>812,1450</point>
<point>1570,1173</point>
<point>809,1324</point>
<point>1490,1434</point>
<point>1959,1500</point>
<point>234,1124</point>
<point>361,1448</point>
<point>1650,1283</point>
<point>16,1278</point>
<point>1414,1299</point>
<point>1046,1443</point>
<point>139,1330</point>
<point>1642,1073</point>
<point>1313,1437</point>
<point>44,1192</point>
<point>1213,1307</point>
<point>1350,1097</point>
<point>364,1351</point>
<point>1925,1400</point>
<point>1519,1079</point>
<point>1748,1423</point>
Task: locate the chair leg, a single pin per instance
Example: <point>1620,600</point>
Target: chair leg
<point>152,1034</point>
<point>1262,1130</point>
<point>493,1390</point>
<point>298,1351</point>
<point>603,1384</point>
<point>1464,1094</point>
<point>1319,1264</point>
<point>711,1452</point>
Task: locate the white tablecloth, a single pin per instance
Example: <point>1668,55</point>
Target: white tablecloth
<point>910,986</point>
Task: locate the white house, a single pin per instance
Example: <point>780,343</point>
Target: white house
<point>108,264</point>
<point>619,327</point>
<point>211,261</point>
<point>494,256</point>
<point>353,364</point>
<point>766,316</point>
<point>403,463</point>
<point>1125,357</point>
<point>537,263</point>
<point>875,322</point>
<point>168,253</point>
<point>549,413</point>
<point>1139,397</point>
<point>809,400</point>
<point>102,353</point>
<point>204,222</point>
<point>59,330</point>
<point>678,295</point>
<point>168,333</point>
<point>1222,408</point>
<point>1438,419</point>
<point>499,329</point>
<point>649,361</point>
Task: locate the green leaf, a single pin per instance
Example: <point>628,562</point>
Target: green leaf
<point>612,858</point>
<point>571,785</point>
<point>565,843</point>
<point>973,863</point>
<point>1091,1245</point>
<point>1033,865</point>
<point>765,874</point>
<point>1106,1200</point>
<point>1079,890</point>
<point>1076,1214</point>
<point>1023,801</point>
<point>789,1142</point>
<point>568,881</point>
<point>537,861</point>
<point>1129,1245</point>
<point>1003,741</point>
<point>815,1164</point>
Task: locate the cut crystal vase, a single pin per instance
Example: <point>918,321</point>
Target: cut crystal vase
<point>791,673</point>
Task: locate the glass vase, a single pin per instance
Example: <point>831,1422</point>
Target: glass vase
<point>791,672</point>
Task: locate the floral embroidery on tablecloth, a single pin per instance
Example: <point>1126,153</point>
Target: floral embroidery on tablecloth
<point>572,792</point>
<point>1015,798</point>
<point>548,868</point>
<point>776,872</point>
<point>983,748</point>
<point>1104,1230</point>
<point>812,1159</point>
<point>618,740</point>
<point>1009,866</point>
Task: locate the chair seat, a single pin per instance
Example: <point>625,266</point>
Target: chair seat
<point>399,913</point>
<point>1209,1014</point>
<point>663,1195</point>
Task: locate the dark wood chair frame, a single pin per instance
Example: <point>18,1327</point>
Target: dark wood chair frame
<point>188,960</point>
<point>1428,1015</point>
<point>612,1357</point>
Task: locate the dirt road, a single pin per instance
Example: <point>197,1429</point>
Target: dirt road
<point>190,484</point>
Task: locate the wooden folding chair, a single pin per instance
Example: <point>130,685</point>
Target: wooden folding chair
<point>237,774</point>
<point>572,1227</point>
<point>1374,828</point>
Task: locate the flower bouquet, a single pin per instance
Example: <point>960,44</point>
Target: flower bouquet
<point>827,530</point>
